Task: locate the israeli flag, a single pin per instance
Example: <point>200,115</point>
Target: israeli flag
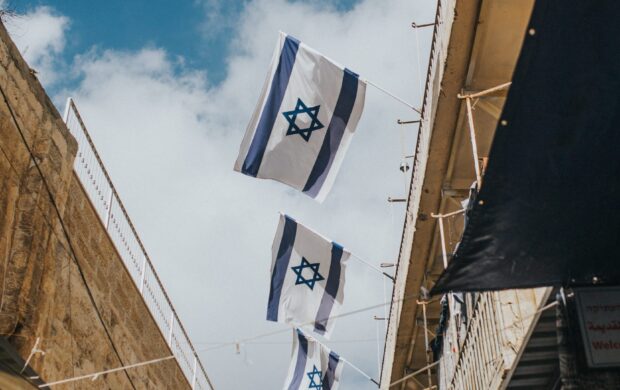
<point>313,366</point>
<point>307,278</point>
<point>303,123</point>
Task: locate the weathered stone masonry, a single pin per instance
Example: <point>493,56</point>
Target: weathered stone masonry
<point>42,293</point>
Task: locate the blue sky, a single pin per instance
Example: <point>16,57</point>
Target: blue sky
<point>166,90</point>
<point>198,31</point>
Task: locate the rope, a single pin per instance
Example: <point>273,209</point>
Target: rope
<point>352,341</point>
<point>279,331</point>
<point>97,374</point>
<point>546,307</point>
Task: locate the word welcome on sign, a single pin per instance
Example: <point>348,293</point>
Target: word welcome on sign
<point>599,319</point>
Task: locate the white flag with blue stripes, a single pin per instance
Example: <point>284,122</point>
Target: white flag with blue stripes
<point>303,123</point>
<point>313,366</point>
<point>307,278</point>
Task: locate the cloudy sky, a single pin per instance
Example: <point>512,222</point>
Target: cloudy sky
<point>166,90</point>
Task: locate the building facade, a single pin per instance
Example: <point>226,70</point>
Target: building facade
<point>526,338</point>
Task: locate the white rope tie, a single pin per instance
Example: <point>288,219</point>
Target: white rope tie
<point>35,349</point>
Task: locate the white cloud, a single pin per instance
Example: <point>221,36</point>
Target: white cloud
<point>217,19</point>
<point>40,37</point>
<point>170,140</point>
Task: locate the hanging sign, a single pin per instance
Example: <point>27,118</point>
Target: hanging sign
<point>599,318</point>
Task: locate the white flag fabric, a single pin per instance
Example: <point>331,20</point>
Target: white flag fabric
<point>307,278</point>
<point>306,115</point>
<point>313,366</point>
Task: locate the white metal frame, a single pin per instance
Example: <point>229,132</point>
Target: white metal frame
<point>97,183</point>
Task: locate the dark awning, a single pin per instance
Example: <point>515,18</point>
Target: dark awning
<point>548,212</point>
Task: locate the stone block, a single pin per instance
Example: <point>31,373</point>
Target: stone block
<point>88,314</point>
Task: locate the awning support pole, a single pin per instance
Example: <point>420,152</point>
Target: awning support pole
<point>443,243</point>
<point>474,145</point>
<point>470,120</point>
<point>485,92</point>
<point>414,374</point>
<point>451,214</point>
<point>445,265</point>
<point>428,372</point>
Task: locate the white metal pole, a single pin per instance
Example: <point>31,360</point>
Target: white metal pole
<point>428,373</point>
<point>378,346</point>
<point>474,145</point>
<point>443,244</point>
<point>171,327</point>
<point>485,92</point>
<point>67,108</point>
<point>107,220</point>
<point>414,373</point>
<point>445,265</point>
<point>453,213</point>
<point>143,276</point>
<point>194,375</point>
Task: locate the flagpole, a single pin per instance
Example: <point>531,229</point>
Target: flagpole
<point>373,267</point>
<point>360,371</point>
<point>392,95</point>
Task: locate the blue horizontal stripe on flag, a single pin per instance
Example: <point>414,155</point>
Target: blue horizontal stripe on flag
<point>330,376</point>
<point>334,133</point>
<point>267,119</point>
<point>331,290</point>
<point>281,266</point>
<point>300,365</point>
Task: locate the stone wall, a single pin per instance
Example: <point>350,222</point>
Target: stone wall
<point>85,309</point>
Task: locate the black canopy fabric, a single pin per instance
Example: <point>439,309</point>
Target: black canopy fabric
<point>548,212</point>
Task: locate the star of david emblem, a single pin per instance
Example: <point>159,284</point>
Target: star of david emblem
<point>311,375</point>
<point>314,267</point>
<point>311,112</point>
